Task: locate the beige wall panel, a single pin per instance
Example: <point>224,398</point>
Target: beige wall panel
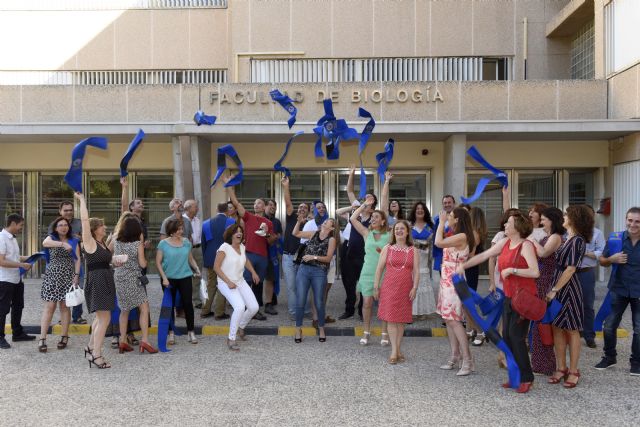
<point>234,105</point>
<point>352,28</point>
<point>208,38</point>
<point>98,53</point>
<point>538,43</point>
<point>423,30</point>
<point>493,28</point>
<point>311,107</point>
<point>546,67</point>
<point>153,104</point>
<point>529,102</point>
<point>47,104</point>
<point>484,101</point>
<point>101,103</point>
<point>624,94</point>
<point>309,19</point>
<point>625,150</point>
<point>170,38</point>
<point>55,156</point>
<point>553,7</point>
<point>449,109</point>
<point>533,10</point>
<point>189,101</point>
<point>579,99</point>
<point>240,23</point>
<point>133,40</point>
<point>10,104</point>
<point>394,28</point>
<point>270,29</point>
<point>536,154</point>
<point>409,110</point>
<point>450,28</point>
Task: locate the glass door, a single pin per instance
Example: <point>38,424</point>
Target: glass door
<point>535,187</point>
<point>53,191</point>
<point>338,198</point>
<point>407,188</point>
<point>12,200</point>
<point>304,187</point>
<point>103,198</point>
<point>255,185</point>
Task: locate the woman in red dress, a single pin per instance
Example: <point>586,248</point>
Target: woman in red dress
<point>401,266</point>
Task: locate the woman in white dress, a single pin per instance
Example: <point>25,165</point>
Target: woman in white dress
<point>424,305</point>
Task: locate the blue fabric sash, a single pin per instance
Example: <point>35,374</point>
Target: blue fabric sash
<point>73,242</point>
<point>278,165</point>
<point>364,138</point>
<point>482,184</point>
<point>287,104</point>
<point>466,296</point>
<point>202,119</point>
<point>74,175</point>
<point>32,260</point>
<point>334,130</point>
<point>553,309</point>
<point>614,243</point>
<point>274,250</point>
<point>384,158</point>
<point>124,163</point>
<point>319,219</point>
<point>228,150</point>
<point>115,315</point>
<point>165,320</point>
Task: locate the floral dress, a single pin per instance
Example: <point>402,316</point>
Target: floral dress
<point>449,304</point>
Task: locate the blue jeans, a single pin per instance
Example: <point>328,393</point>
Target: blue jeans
<point>588,281</point>
<point>290,269</point>
<point>260,266</point>
<point>316,278</point>
<point>611,323</point>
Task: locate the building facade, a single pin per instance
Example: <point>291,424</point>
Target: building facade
<point>548,90</point>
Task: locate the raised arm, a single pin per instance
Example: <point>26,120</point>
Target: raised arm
<point>350,192</point>
<point>506,199</point>
<point>287,195</point>
<point>384,195</point>
<point>88,241</point>
<point>124,198</point>
<point>447,242</point>
<point>231,192</point>
<point>299,233</point>
<point>355,221</point>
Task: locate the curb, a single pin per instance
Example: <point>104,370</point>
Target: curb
<point>281,331</point>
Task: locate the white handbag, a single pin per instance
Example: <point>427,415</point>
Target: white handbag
<point>74,297</point>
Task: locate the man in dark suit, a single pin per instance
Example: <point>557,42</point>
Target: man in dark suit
<point>212,231</point>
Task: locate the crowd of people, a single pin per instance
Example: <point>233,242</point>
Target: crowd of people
<point>382,257</point>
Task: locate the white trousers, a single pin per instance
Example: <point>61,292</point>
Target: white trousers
<point>244,304</point>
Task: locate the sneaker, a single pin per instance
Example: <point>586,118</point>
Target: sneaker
<point>260,316</point>
<point>345,315</point>
<point>591,343</point>
<point>605,363</point>
<point>22,337</point>
<point>268,308</point>
<point>635,371</point>
<point>4,344</point>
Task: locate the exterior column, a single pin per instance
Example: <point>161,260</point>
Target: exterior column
<point>182,167</point>
<point>455,150</point>
<point>201,168</point>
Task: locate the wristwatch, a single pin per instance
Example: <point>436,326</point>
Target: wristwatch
<point>515,271</point>
<point>315,257</point>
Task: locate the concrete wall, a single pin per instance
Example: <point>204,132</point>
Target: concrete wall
<point>429,101</point>
<point>625,149</point>
<point>624,94</point>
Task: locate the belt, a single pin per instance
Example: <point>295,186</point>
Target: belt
<point>196,246</point>
<point>583,270</point>
<point>98,266</point>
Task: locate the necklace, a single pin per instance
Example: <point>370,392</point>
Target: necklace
<point>406,251</point>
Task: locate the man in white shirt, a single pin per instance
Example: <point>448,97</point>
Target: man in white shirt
<point>11,286</point>
<point>191,215</point>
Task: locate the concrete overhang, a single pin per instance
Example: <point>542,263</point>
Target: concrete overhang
<point>269,131</point>
<point>571,18</point>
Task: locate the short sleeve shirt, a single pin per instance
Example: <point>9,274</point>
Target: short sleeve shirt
<point>256,244</point>
<point>233,263</point>
<point>11,251</point>
<point>175,260</point>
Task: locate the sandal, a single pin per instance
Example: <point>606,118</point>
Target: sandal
<point>103,365</point>
<point>401,358</point>
<point>114,342</point>
<point>393,360</point>
<point>42,345</point>
<point>64,340</point>
<point>571,384</point>
<point>132,340</point>
<point>171,340</point>
<point>365,338</point>
<point>384,341</point>
<point>478,340</point>
<point>241,334</point>
<point>554,379</point>
<point>232,345</point>
<point>88,350</point>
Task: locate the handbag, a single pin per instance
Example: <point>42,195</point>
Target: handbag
<point>75,296</point>
<point>297,259</point>
<point>545,333</point>
<point>144,280</point>
<point>526,304</point>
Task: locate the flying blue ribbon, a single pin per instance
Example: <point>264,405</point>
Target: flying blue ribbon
<point>32,260</point>
<point>385,158</point>
<point>202,119</point>
<point>278,166</point>
<point>74,175</point>
<point>364,138</point>
<point>334,130</point>
<point>482,184</point>
<point>287,104</point>
<point>124,163</point>
<point>166,320</point>
<point>614,243</point>
<point>466,296</point>
<point>228,150</point>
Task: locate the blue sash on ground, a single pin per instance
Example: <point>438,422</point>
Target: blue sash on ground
<point>32,260</point>
<point>278,165</point>
<point>385,158</point>
<point>482,184</point>
<point>614,244</point>
<point>74,175</point>
<point>228,150</point>
<point>466,296</point>
<point>202,119</point>
<point>287,104</point>
<point>165,320</point>
<point>364,138</point>
<point>124,163</point>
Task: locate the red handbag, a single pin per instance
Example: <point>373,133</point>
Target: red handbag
<point>545,333</point>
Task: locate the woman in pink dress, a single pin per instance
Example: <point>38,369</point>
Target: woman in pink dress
<point>401,265</point>
<point>456,252</point>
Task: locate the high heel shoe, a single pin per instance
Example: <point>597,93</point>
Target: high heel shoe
<point>401,358</point>
<point>324,338</point>
<point>103,365</point>
<point>88,350</point>
<point>393,360</point>
<point>297,339</point>
<point>466,368</point>
<point>478,340</point>
<point>571,384</point>
<point>192,337</point>
<point>365,338</point>
<point>144,346</point>
<point>171,339</point>
<point>64,340</point>
<point>384,341</point>
<point>454,361</point>
<point>524,387</point>
<point>42,345</point>
<point>554,379</point>
<point>471,335</point>
<point>124,347</point>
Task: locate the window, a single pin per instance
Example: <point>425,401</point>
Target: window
<point>53,190</point>
<point>536,187</point>
<point>255,185</point>
<point>408,188</point>
<point>12,200</point>
<point>581,189</point>
<point>622,33</point>
<point>582,51</point>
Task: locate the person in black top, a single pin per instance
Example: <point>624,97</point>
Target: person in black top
<point>269,280</point>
